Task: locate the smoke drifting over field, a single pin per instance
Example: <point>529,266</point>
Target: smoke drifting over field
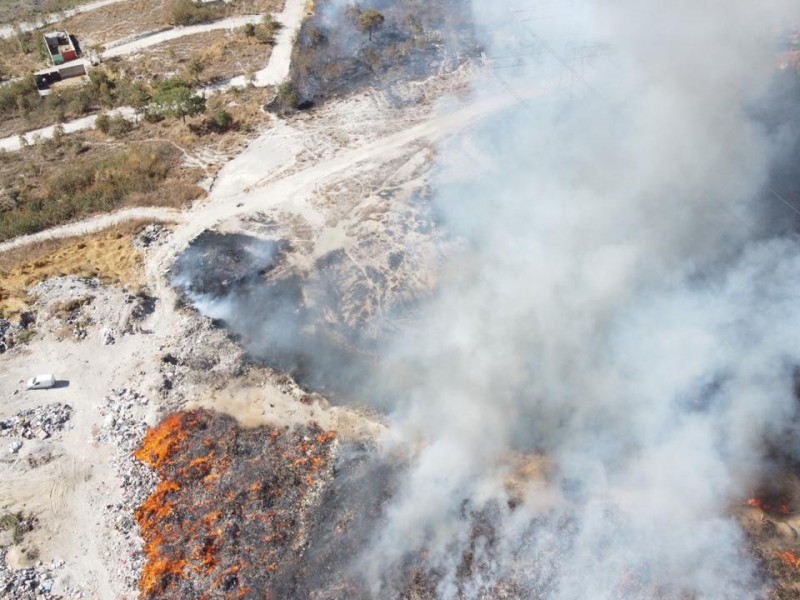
<point>623,302</point>
<point>620,305</point>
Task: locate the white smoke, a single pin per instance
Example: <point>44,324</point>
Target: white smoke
<point>616,305</point>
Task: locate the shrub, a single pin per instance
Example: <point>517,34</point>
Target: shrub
<point>287,98</point>
<point>94,183</point>
<point>223,120</point>
<point>103,123</point>
<point>115,126</point>
<point>135,94</point>
<point>186,12</point>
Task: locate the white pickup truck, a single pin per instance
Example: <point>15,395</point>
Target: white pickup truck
<point>41,382</point>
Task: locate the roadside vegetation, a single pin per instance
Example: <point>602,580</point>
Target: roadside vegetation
<point>95,182</point>
<point>202,59</point>
<point>22,109</point>
<point>187,12</point>
<point>125,162</point>
<point>127,18</point>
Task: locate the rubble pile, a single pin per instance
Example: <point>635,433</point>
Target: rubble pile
<point>206,351</point>
<point>41,422</point>
<point>77,305</point>
<point>122,423</point>
<point>71,314</point>
<point>142,306</point>
<point>124,428</point>
<point>12,333</point>
<point>33,583</point>
<point>152,236</point>
<point>230,506</point>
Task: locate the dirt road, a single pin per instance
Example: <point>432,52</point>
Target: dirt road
<point>278,67</point>
<point>252,181</point>
<point>179,32</point>
<point>9,30</point>
<point>14,142</point>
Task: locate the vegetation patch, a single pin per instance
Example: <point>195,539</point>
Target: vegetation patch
<point>14,11</point>
<point>22,109</point>
<point>188,12</point>
<point>139,175</point>
<point>377,43</point>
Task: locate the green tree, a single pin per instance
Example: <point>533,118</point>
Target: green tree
<point>370,21</point>
<point>176,99</point>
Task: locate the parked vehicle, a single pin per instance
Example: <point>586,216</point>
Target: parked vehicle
<point>41,382</point>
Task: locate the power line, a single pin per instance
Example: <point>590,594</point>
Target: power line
<point>784,200</point>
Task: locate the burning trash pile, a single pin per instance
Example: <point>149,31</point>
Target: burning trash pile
<point>230,506</point>
<point>770,522</point>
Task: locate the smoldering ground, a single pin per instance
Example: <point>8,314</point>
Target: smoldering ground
<point>623,301</point>
<point>334,56</point>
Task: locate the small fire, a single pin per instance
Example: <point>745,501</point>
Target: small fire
<point>781,509</point>
<point>790,559</point>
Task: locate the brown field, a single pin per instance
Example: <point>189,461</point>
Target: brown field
<point>222,55</point>
<point>134,17</point>
<point>22,10</point>
<point>108,255</point>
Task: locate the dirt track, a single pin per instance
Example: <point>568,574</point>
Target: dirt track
<point>252,181</point>
<point>9,30</point>
<point>179,32</point>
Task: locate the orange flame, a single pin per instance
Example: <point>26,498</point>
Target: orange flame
<point>782,509</point>
<point>191,546</point>
<point>789,559</point>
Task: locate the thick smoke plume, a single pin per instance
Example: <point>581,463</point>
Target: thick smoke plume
<point>621,305</point>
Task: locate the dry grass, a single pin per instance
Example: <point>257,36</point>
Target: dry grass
<point>134,17</point>
<point>119,20</point>
<point>108,255</point>
<point>222,55</point>
<point>55,182</point>
<point>12,11</point>
<point>97,181</point>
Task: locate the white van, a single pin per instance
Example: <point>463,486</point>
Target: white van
<point>41,382</point>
